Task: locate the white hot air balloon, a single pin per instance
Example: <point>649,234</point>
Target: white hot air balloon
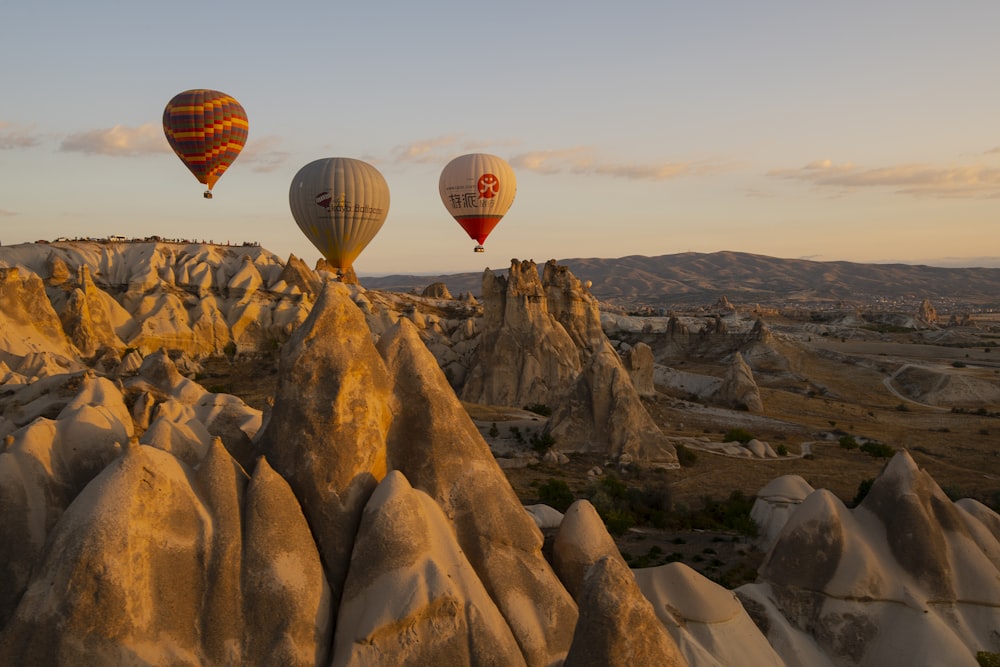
<point>339,203</point>
<point>477,189</point>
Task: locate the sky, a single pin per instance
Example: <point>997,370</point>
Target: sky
<point>853,130</point>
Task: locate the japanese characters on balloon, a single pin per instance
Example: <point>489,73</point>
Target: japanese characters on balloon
<point>477,189</point>
<point>339,204</point>
<point>207,130</point>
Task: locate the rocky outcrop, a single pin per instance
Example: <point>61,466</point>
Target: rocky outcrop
<point>436,291</point>
<point>739,389</point>
<point>926,314</point>
<point>907,577</point>
<point>346,413</point>
<point>296,273</point>
<point>640,363</point>
<point>408,571</point>
<point>326,433</point>
<point>29,323</point>
<point>542,343</point>
<point>126,567</point>
<point>602,413</point>
<point>618,626</point>
<point>524,356</point>
<point>707,622</point>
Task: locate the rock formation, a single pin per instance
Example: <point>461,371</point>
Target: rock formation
<point>525,356</point>
<point>907,577</point>
<point>198,299</point>
<point>926,314</point>
<point>146,520</point>
<point>542,342</point>
<point>639,362</point>
<point>436,291</point>
<point>739,389</point>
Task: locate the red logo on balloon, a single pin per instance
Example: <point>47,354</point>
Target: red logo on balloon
<point>488,186</point>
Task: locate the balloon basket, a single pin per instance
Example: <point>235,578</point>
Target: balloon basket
<point>208,194</point>
<point>479,248</point>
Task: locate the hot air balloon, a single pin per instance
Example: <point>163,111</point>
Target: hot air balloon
<point>207,129</point>
<point>477,189</point>
<point>339,204</point>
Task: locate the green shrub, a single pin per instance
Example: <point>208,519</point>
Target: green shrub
<point>988,659</point>
<point>541,441</point>
<point>848,442</point>
<point>863,488</point>
<point>686,457</point>
<point>618,521</point>
<point>614,487</point>
<point>878,450</point>
<point>494,431</point>
<point>782,450</point>
<point>557,494</point>
<point>738,435</point>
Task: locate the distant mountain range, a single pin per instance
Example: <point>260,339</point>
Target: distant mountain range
<point>691,279</point>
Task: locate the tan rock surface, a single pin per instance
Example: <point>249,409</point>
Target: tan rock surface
<point>618,626</point>
<point>411,596</point>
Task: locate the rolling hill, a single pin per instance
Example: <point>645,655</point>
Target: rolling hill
<point>691,279</point>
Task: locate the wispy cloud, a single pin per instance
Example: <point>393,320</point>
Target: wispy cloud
<point>17,136</point>
<point>583,160</point>
<point>993,151</point>
<point>264,154</point>
<point>118,141</point>
<point>426,150</point>
<point>910,179</point>
<point>6,214</point>
<point>439,150</point>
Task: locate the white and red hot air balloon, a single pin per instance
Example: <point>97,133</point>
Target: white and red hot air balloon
<point>477,189</point>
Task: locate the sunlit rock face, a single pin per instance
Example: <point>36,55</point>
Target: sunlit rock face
<point>617,623</point>
<point>145,520</point>
<point>346,413</point>
<point>542,343</point>
<point>29,323</point>
<point>408,571</point>
<point>198,299</point>
<point>124,577</point>
<point>326,433</point>
<point>525,355</point>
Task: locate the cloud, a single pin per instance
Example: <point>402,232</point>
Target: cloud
<point>584,161</point>
<point>440,150</point>
<point>263,154</point>
<point>17,136</point>
<point>580,160</point>
<point>118,141</point>
<point>993,151</point>
<point>910,179</point>
<point>6,214</point>
<point>426,151</point>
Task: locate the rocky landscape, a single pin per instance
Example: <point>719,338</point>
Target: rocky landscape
<point>214,456</point>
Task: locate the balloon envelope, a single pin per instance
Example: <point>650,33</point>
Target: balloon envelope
<point>477,189</point>
<point>340,204</point>
<point>207,130</point>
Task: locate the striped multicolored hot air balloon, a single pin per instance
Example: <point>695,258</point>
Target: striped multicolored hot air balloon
<point>207,129</point>
<point>477,189</point>
<point>339,203</point>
